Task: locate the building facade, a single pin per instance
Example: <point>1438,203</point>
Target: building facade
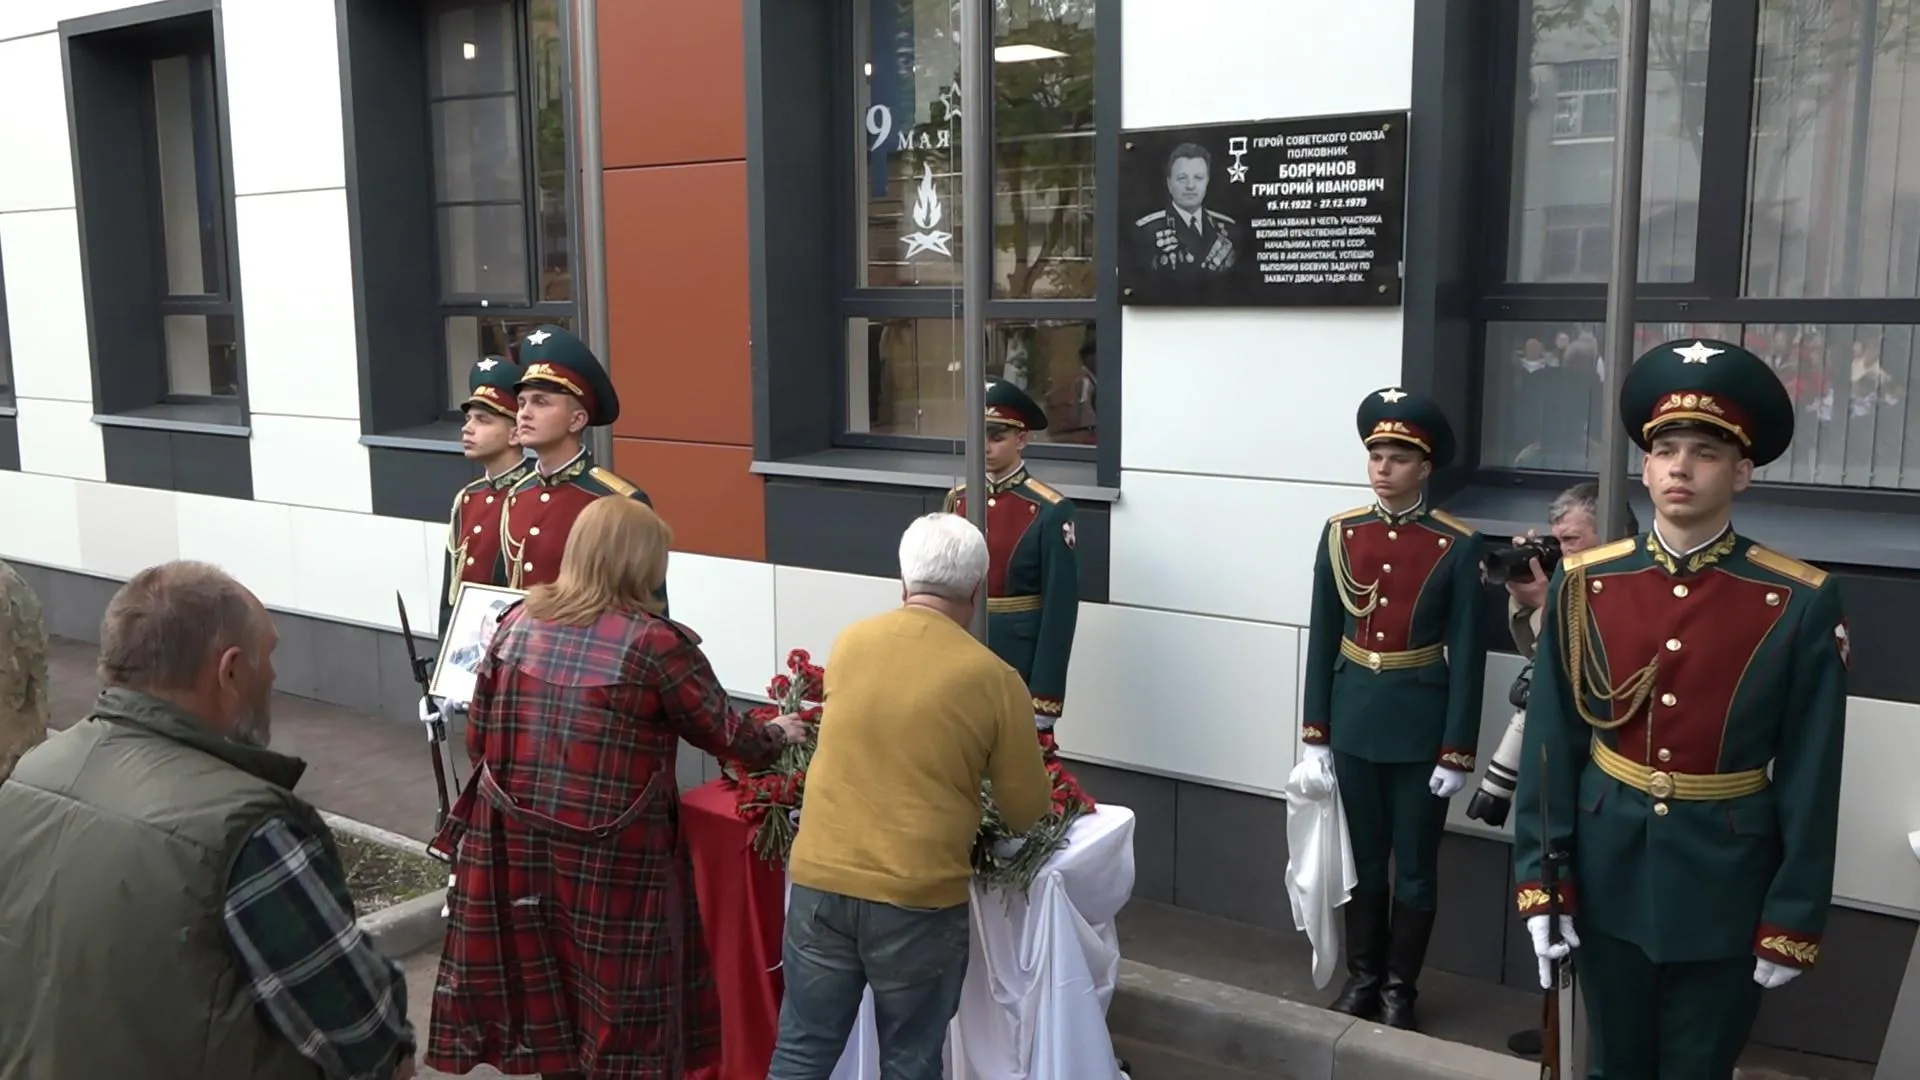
<point>250,248</point>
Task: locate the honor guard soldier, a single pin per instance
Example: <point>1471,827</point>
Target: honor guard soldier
<point>1673,669</point>
<point>1033,569</point>
<point>563,390</point>
<point>487,439</point>
<point>1396,657</point>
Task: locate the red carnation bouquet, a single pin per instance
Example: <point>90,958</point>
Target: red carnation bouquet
<point>768,798</point>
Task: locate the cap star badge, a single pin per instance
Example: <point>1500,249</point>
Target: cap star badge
<point>1393,395</point>
<point>488,364</point>
<point>538,337</point>
<point>1698,353</point>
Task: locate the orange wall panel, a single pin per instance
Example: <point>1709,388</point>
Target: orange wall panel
<point>716,507</point>
<point>673,85</point>
<point>677,301</point>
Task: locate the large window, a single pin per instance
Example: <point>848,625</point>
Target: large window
<point>1780,209</point>
<point>901,306</point>
<point>496,75</point>
<point>196,304</point>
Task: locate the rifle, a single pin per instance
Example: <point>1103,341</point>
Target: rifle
<point>436,728</point>
<point>1557,1059</point>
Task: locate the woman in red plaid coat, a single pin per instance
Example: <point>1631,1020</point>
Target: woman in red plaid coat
<point>573,943</point>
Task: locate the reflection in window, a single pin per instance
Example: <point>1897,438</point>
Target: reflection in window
<point>198,331</point>
<point>1565,108</point>
<point>1834,190</point>
<point>473,338</point>
<point>903,375</point>
<point>1854,426</point>
<point>908,107</point>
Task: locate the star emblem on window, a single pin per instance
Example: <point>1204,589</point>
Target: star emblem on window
<point>1392,396</point>
<point>538,337</point>
<point>1698,353</point>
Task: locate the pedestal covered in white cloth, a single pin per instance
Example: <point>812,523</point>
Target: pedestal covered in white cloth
<point>1042,969</point>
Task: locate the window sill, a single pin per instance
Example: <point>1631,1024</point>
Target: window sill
<point>438,438</point>
<point>200,419</point>
<point>912,468</point>
<point>1849,537</point>
<point>8,409</point>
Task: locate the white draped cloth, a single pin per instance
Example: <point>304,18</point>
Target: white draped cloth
<point>1042,969</point>
<point>1320,871</point>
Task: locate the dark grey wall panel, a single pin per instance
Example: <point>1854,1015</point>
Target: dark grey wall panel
<point>9,441</point>
<point>1880,606</point>
<point>417,484</point>
<point>1841,1006</point>
<point>1152,800</point>
<point>186,461</point>
<point>1470,931</point>
<point>1230,856</point>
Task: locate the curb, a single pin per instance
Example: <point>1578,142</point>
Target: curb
<point>1240,1028</point>
<point>411,925</point>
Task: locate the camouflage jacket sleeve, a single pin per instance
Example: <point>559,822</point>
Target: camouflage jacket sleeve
<point>23,670</point>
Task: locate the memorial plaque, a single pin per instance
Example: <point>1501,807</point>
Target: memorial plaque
<point>1266,213</point>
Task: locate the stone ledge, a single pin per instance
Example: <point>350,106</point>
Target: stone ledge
<point>1243,1029</point>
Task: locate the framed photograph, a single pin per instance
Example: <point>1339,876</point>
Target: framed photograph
<point>476,614</point>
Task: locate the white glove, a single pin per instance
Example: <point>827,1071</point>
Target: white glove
<point>1044,723</point>
<point>1445,782</point>
<point>428,712</point>
<point>1772,976</point>
<point>1317,753</point>
<point>1549,952</point>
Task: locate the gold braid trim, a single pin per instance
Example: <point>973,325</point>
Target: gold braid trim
<point>1343,578</point>
<point>1584,671</point>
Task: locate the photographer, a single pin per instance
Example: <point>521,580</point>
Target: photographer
<point>1574,522</point>
<point>1524,568</point>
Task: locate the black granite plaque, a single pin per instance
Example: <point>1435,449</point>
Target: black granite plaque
<point>1266,213</point>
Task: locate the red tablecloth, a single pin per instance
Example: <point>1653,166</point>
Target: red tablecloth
<point>743,911</point>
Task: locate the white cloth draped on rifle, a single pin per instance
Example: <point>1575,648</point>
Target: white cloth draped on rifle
<point>1320,871</point>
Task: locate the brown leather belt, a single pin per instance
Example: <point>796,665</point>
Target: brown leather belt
<point>1688,787</point>
<point>1392,661</point>
<point>1008,605</point>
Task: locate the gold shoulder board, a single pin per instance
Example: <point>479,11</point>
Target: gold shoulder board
<point>1787,566</point>
<point>1603,553</point>
<point>1155,216</point>
<point>1358,511</point>
<point>612,481</point>
<point>1043,491</point>
<point>1451,522</point>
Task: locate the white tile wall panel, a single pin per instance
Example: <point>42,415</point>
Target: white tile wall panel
<point>811,607</point>
<point>1263,58</point>
<point>283,94</point>
<point>1880,805</point>
<point>41,524</point>
<point>1183,695</point>
<point>435,538</point>
<point>729,603</point>
<point>310,462</point>
<point>253,541</point>
<point>46,304</point>
<point>1276,390</point>
<point>296,279</point>
<point>60,438</point>
<point>33,122</point>
<point>1253,559</point>
<point>124,530</point>
<point>347,566</point>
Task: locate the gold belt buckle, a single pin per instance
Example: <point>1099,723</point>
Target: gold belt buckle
<point>1660,785</point>
<point>1373,661</point>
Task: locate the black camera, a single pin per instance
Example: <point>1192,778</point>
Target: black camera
<point>1508,562</point>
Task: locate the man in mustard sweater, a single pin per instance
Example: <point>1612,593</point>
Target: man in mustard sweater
<point>917,713</point>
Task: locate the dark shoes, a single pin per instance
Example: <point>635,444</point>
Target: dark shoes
<point>1384,958</point>
<point>1406,954</point>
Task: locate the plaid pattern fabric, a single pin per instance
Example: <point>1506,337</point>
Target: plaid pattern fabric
<point>573,937</point>
<point>314,973</point>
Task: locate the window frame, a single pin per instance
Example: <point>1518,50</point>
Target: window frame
<point>855,301</point>
<point>9,393</point>
<point>1714,296</point>
<point>526,117</point>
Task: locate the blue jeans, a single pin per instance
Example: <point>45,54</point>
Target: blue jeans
<point>836,946</point>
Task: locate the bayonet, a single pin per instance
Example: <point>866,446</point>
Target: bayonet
<point>436,728</point>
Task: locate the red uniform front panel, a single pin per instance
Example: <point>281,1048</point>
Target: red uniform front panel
<point>534,528</point>
<point>1400,558</point>
<point>1008,518</point>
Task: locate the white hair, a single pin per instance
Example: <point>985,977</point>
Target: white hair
<point>943,555</point>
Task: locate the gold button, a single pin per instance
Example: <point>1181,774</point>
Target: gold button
<point>1665,754</point>
<point>1669,700</point>
<point>1659,785</point>
<point>1596,586</point>
<point>1349,534</point>
<point>476,528</point>
<point>526,566</point>
<point>1773,599</point>
<point>1392,535</point>
<point>1443,541</point>
<point>1673,644</point>
<point>1386,568</point>
<point>469,560</point>
<point>1679,590</point>
<point>544,496</point>
<point>991,502</point>
<point>1373,660</point>
<point>1660,809</point>
<point>466,498</point>
<point>489,500</point>
<point>1384,601</point>
<point>1379,635</point>
<point>535,531</point>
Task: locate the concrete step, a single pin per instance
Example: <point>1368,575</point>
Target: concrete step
<point>1150,1062</point>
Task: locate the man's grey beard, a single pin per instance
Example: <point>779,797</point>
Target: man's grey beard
<point>255,728</point>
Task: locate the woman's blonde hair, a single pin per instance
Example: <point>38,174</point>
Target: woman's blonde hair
<point>616,557</point>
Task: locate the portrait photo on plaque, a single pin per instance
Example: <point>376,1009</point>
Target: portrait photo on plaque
<point>477,610</point>
<point>1264,213</point>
